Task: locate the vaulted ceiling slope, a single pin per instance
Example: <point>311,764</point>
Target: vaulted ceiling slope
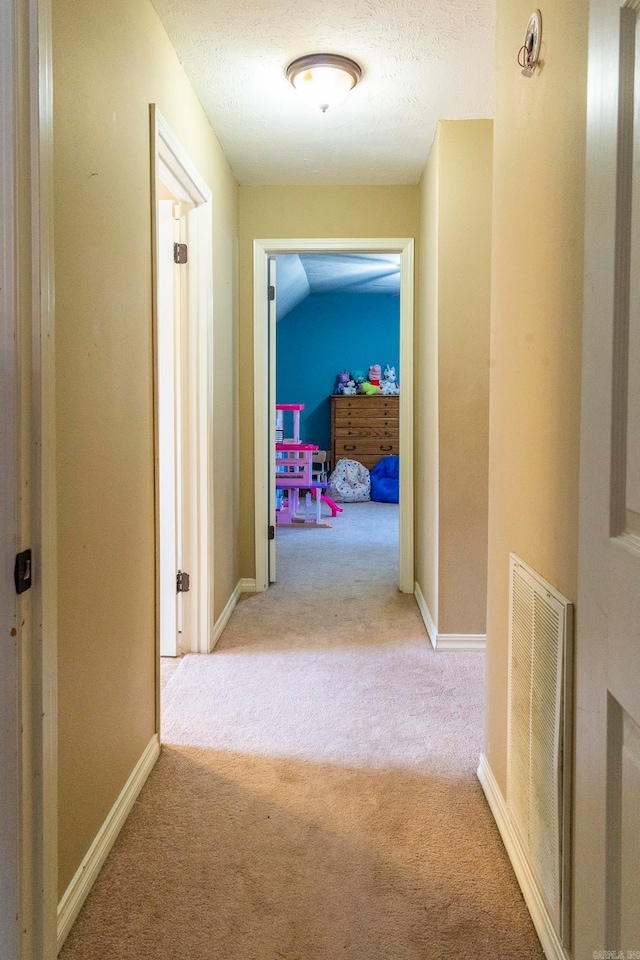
<point>422,61</point>
<point>299,276</point>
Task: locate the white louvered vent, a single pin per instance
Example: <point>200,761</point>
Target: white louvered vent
<point>539,761</point>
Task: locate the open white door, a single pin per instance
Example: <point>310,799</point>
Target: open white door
<point>607,824</point>
<point>272,418</point>
<point>169,460</point>
<point>174,449</point>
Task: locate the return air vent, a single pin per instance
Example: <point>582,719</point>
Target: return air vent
<point>539,756</point>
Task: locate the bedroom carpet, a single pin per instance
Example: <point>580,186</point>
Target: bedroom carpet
<point>316,795</point>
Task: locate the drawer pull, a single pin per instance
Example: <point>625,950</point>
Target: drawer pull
<point>351,446</point>
<point>388,446</point>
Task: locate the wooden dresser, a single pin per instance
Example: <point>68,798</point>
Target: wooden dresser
<point>364,428</point>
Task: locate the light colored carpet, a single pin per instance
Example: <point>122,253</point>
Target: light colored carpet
<point>168,666</point>
<point>316,796</point>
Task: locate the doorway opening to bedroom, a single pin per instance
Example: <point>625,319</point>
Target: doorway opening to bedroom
<point>337,352</point>
<point>333,326</point>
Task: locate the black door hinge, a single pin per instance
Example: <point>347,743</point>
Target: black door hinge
<point>180,253</point>
<point>272,532</point>
<point>272,293</point>
<point>182,582</point>
<point>22,571</point>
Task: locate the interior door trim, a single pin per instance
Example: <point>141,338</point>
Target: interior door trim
<point>262,249</point>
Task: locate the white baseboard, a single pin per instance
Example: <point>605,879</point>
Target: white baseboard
<point>426,614</point>
<point>245,585</point>
<point>223,619</point>
<point>77,891</point>
<point>447,641</point>
<point>461,641</point>
<point>553,949</point>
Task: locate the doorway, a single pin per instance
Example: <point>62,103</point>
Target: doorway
<point>337,349</point>
<point>265,252</point>
<point>182,259</point>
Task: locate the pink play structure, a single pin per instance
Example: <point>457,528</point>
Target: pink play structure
<point>294,472</point>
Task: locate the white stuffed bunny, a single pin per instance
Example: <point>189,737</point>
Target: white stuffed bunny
<point>388,384</point>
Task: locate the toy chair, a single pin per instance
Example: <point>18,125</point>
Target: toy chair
<point>319,467</point>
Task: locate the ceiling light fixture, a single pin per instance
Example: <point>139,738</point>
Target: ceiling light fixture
<point>324,79</point>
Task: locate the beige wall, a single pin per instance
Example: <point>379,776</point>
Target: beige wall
<point>536,322</point>
<point>464,304</point>
<point>110,62</point>
<point>284,212</point>
<point>452,373</point>
<point>426,455</point>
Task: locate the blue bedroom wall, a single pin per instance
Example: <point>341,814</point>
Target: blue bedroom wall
<point>324,334</point>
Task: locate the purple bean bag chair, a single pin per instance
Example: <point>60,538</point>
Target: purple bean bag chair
<point>385,480</point>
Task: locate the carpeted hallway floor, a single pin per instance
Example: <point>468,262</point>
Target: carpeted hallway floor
<point>316,796</point>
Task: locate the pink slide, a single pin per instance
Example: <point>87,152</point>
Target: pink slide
<point>333,506</point>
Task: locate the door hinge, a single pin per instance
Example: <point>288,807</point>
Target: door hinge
<point>272,532</point>
<point>182,581</point>
<point>22,571</point>
<point>180,253</point>
<point>272,293</point>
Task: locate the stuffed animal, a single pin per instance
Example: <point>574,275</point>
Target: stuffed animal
<point>370,388</point>
<point>358,377</point>
<point>349,390</point>
<point>342,381</point>
<point>375,373</point>
<point>389,385</point>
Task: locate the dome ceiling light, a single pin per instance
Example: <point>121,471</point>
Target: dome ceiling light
<point>324,79</point>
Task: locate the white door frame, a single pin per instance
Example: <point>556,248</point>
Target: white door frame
<point>10,619</point>
<point>172,165</point>
<point>26,181</point>
<point>262,249</point>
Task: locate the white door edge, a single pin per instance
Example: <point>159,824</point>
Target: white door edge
<point>168,329</point>
<point>271,416</point>
<point>26,156</point>
<point>261,251</point>
<point>31,34</point>
<point>10,753</point>
<point>606,829</point>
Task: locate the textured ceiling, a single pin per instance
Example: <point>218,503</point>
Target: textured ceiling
<point>299,276</point>
<point>422,61</point>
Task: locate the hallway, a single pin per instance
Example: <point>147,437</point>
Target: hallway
<point>316,796</point>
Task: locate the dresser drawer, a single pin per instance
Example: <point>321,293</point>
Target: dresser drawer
<point>367,423</point>
<point>366,407</point>
<point>356,447</point>
<point>366,429</point>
